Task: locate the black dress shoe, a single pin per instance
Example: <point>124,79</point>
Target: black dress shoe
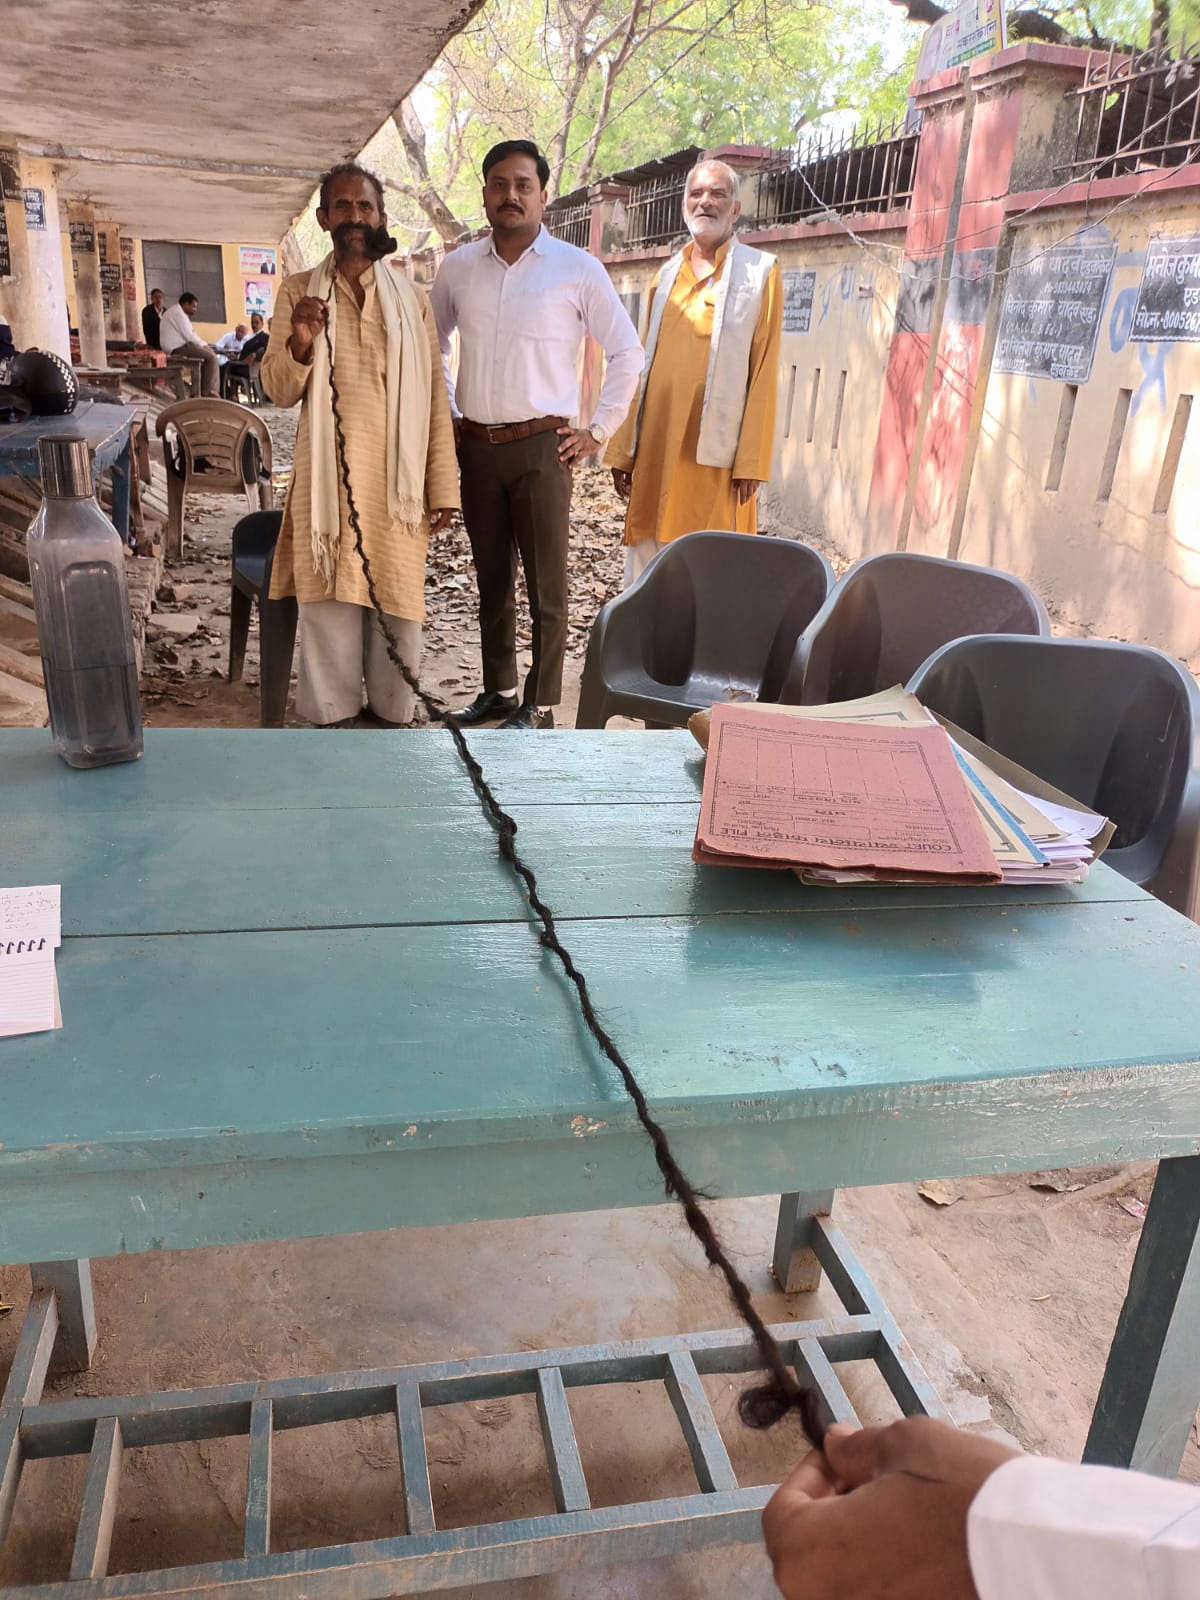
<point>486,707</point>
<point>529,717</point>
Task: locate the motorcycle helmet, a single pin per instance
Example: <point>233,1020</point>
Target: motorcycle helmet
<point>46,381</point>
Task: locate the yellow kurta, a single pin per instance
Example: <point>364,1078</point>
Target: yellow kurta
<point>397,556</point>
<point>672,494</point>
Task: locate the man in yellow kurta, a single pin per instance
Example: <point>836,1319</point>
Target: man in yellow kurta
<point>399,448</point>
<point>694,449</point>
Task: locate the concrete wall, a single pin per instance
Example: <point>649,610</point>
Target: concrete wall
<point>831,387</point>
<point>1119,557</point>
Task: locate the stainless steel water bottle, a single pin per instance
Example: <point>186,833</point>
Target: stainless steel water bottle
<point>77,570</point>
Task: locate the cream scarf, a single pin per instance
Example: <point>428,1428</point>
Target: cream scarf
<point>408,389</point>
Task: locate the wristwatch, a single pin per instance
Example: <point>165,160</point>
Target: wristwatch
<point>598,433</point>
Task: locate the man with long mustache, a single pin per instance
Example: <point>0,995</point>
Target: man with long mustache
<point>522,301</point>
<point>399,446</point>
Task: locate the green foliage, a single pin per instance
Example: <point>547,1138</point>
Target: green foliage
<point>607,84</point>
<point>1126,22</point>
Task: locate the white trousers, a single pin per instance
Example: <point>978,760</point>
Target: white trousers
<point>342,648</point>
<point>639,556</point>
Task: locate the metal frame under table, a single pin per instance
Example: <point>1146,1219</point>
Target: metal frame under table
<point>267,888</point>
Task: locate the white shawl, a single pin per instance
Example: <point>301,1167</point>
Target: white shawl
<point>408,380</point>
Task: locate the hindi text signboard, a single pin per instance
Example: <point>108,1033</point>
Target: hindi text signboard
<point>1168,302</point>
<point>799,289</point>
<point>1053,305</point>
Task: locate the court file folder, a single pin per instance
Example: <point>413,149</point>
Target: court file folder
<point>880,800</point>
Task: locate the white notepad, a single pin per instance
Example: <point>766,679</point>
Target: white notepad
<point>30,932</point>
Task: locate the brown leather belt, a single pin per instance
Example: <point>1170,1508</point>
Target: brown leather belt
<point>510,432</point>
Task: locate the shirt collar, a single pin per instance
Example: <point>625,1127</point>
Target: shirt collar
<point>367,279</point>
<point>538,246</point>
<point>720,257</point>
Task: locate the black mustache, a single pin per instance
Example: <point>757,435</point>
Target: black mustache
<point>376,241</point>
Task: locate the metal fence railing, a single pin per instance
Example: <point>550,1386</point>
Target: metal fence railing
<point>572,223</point>
<point>654,211</point>
<point>1137,112</point>
<point>870,169</point>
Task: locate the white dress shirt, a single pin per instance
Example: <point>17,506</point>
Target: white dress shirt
<point>1046,1530</point>
<point>230,344</point>
<point>176,329</point>
<point>520,329</point>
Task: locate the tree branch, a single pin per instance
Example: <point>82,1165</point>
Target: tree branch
<point>412,136</point>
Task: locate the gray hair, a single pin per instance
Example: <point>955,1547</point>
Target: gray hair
<point>721,166</point>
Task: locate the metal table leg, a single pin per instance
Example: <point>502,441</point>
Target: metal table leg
<point>1151,1389</point>
<point>796,1268</point>
<point>72,1284</point>
<point>122,469</point>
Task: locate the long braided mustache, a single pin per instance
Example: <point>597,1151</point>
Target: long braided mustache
<point>764,1404</point>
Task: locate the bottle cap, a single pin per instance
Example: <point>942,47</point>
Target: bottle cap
<point>66,466</point>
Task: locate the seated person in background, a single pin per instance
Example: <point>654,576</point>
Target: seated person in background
<point>230,344</point>
<point>177,337</point>
<point>921,1511</point>
<point>7,348</point>
<point>152,317</point>
<point>256,344</point>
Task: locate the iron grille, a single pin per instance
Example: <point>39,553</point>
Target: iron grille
<point>654,211</point>
<point>870,169</point>
<point>572,224</point>
<point>1136,113</point>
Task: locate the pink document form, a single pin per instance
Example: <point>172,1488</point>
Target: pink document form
<point>781,791</point>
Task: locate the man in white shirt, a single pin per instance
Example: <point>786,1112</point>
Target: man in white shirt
<point>177,337</point>
<point>521,302</point>
<point>920,1511</point>
<point>228,347</point>
<point>230,343</point>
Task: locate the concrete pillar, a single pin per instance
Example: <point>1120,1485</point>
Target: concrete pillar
<point>997,126</point>
<point>920,307</point>
<point>85,258</point>
<point>607,230</point>
<point>108,253</point>
<point>1024,124</point>
<point>34,297</point>
<point>129,294</point>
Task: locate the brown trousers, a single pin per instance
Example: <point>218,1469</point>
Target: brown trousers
<point>210,383</point>
<point>516,500</point>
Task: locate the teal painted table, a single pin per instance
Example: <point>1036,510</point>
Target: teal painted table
<point>108,430</point>
<point>302,996</point>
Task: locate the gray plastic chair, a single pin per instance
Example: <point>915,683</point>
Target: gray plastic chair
<point>889,612</point>
<point>1116,726</point>
<point>714,617</point>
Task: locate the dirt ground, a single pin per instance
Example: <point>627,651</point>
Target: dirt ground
<point>187,657</point>
<point>1008,1292</point>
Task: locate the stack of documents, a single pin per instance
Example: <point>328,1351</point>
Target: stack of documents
<point>30,933</point>
<point>879,791</point>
